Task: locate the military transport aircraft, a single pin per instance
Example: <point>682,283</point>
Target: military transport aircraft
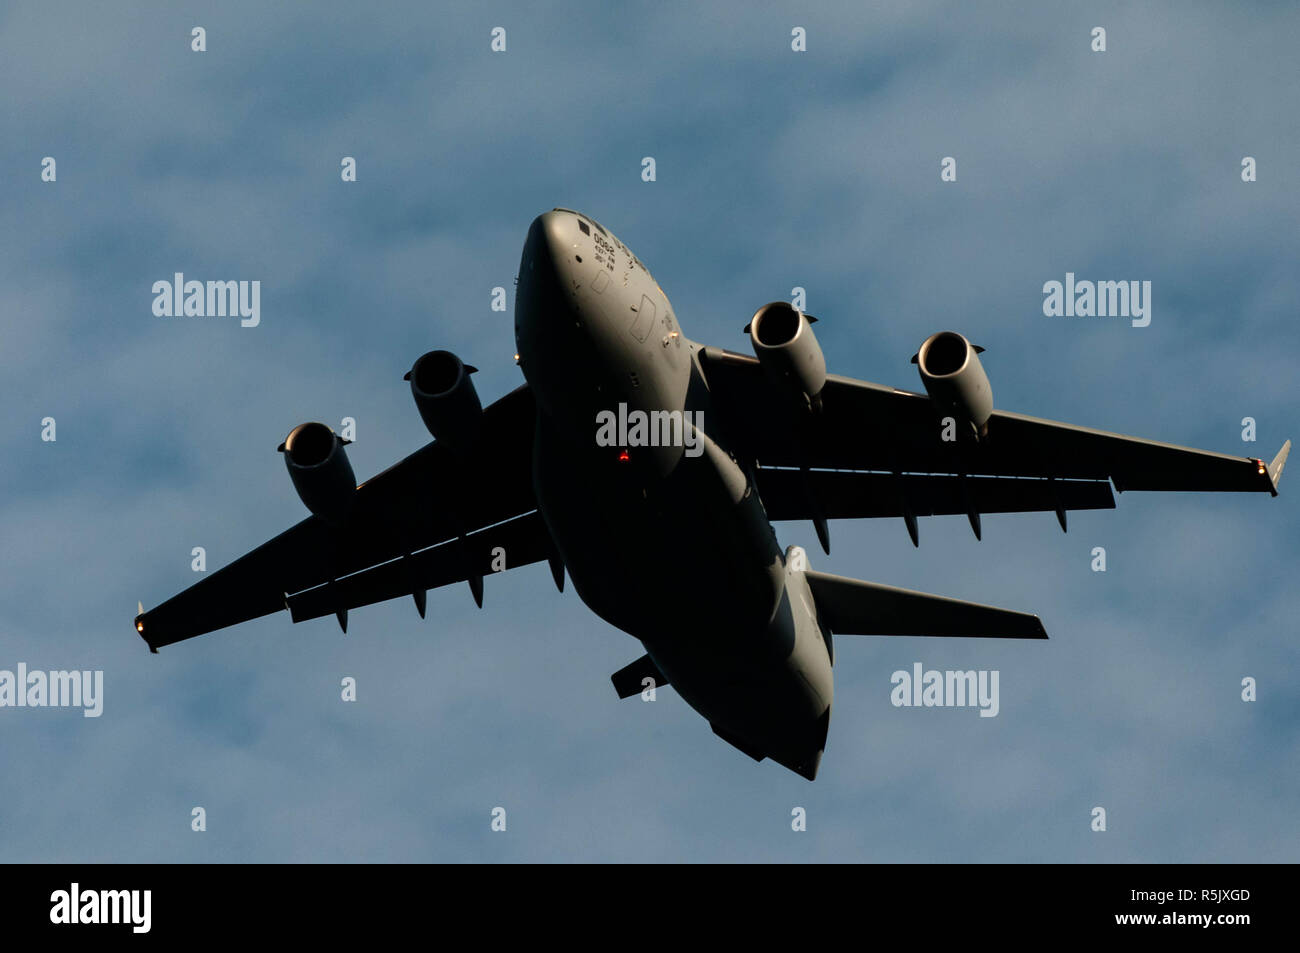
<point>651,468</point>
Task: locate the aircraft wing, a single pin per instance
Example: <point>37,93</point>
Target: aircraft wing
<point>427,499</point>
<point>847,494</point>
<point>872,429</point>
<point>516,542</point>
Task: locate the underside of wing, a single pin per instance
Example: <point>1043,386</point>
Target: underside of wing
<point>844,494</point>
<point>862,426</point>
<point>517,542</point>
<point>432,496</point>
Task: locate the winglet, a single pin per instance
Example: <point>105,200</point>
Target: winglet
<point>1275,468</point>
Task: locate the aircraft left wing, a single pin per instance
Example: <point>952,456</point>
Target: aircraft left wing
<point>427,499</point>
<point>870,427</point>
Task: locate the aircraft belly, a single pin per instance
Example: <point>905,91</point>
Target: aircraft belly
<point>776,692</point>
<point>657,557</point>
<point>657,568</point>
<point>696,575</point>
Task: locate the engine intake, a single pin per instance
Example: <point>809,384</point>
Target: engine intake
<point>786,347</point>
<point>446,399</point>
<point>319,468</point>
<point>955,380</point>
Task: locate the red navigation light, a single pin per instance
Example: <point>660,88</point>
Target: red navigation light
<point>622,456</point>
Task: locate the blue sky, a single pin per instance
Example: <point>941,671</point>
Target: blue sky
<point>774,169</point>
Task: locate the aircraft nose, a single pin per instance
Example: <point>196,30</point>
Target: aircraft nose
<point>544,331</point>
<point>549,248</point>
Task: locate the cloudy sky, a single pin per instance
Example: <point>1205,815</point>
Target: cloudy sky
<point>775,169</point>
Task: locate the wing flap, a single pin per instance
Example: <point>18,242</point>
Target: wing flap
<point>791,495</point>
<point>521,541</point>
<point>855,607</point>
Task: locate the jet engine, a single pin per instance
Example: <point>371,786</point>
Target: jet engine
<point>955,380</point>
<point>446,399</point>
<point>318,466</point>
<point>786,347</point>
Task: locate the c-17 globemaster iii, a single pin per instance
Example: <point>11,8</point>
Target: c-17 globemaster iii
<point>651,468</point>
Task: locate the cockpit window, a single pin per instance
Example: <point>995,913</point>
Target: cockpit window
<point>581,221</point>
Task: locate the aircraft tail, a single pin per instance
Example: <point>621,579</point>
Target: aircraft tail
<point>855,607</point>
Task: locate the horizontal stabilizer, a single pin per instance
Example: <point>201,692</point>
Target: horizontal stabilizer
<point>629,680</point>
<point>853,607</point>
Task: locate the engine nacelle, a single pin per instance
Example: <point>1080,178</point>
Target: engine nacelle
<point>318,466</point>
<point>786,347</point>
<point>955,380</point>
<point>446,399</point>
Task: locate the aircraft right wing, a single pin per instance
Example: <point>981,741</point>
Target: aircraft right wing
<point>516,542</point>
<point>427,499</point>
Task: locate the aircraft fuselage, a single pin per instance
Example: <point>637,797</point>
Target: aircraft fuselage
<point>661,529</point>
